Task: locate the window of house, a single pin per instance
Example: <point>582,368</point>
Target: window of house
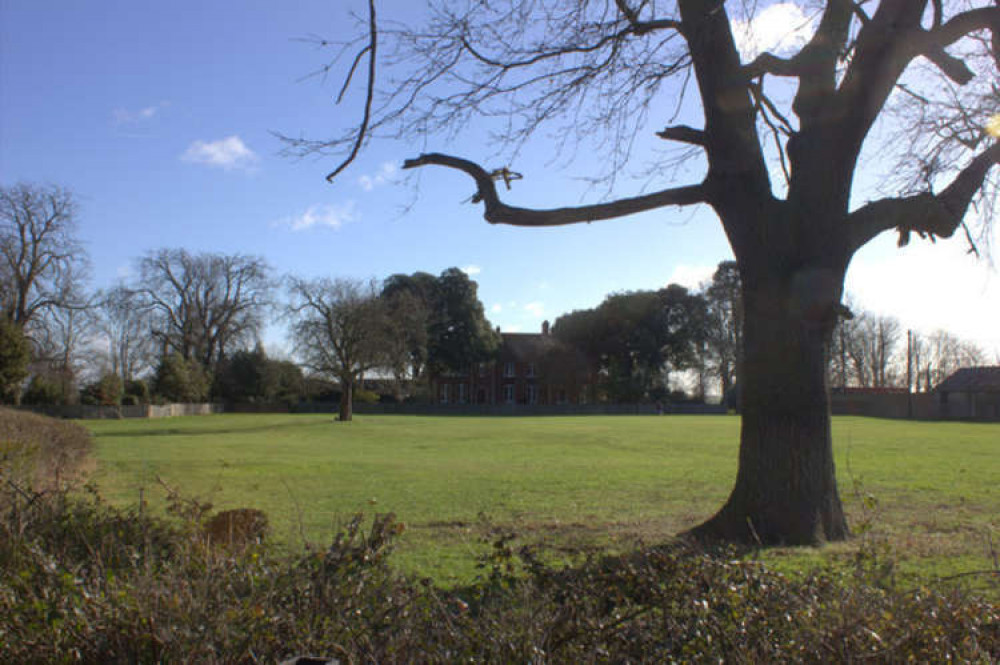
<point>482,369</point>
<point>445,393</point>
<point>532,395</point>
<point>561,396</point>
<point>461,393</point>
<point>508,394</point>
<point>509,370</point>
<point>531,370</point>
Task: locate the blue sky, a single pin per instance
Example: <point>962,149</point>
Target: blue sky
<point>160,117</point>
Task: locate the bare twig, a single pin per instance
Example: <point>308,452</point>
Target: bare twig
<point>372,49</point>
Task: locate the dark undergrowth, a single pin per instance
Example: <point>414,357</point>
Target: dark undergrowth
<point>82,581</point>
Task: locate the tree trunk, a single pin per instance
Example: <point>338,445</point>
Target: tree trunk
<point>346,400</point>
<point>786,490</point>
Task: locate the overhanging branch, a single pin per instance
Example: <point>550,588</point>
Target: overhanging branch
<point>768,63</point>
<point>986,18</point>
<point>684,134</point>
<point>925,214</point>
<point>498,212</point>
<point>960,25</point>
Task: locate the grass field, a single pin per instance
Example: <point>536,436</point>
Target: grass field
<point>927,490</point>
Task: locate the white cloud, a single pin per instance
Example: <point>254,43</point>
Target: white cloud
<point>471,270</point>
<point>382,176</point>
<point>536,309</point>
<point>124,116</point>
<point>496,309</point>
<point>929,286</point>
<point>512,329</point>
<point>691,277</point>
<point>781,29</point>
<point>228,153</point>
<point>330,216</point>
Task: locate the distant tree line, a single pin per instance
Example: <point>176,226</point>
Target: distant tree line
<point>187,327</point>
<point>875,351</point>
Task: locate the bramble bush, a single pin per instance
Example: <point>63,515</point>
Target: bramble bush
<point>82,581</point>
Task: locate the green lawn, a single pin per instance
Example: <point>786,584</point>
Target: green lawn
<point>573,482</point>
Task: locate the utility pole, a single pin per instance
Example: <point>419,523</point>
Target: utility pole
<point>843,360</point>
<point>909,374</point>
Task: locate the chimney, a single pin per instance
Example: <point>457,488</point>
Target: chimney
<point>545,327</point>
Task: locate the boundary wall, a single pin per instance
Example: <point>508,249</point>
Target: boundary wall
<point>918,406</point>
<point>90,412</point>
<point>516,409</point>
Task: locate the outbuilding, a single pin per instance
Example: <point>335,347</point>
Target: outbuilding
<point>971,393</point>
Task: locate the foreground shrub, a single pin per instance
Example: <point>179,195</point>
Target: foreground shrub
<point>84,582</point>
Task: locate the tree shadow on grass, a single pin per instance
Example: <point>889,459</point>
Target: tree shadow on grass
<point>141,432</point>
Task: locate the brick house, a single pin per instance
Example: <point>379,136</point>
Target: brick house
<point>529,369</point>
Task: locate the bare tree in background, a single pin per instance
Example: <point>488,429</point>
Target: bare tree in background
<point>615,70</point>
<point>125,322</point>
<point>337,327</point>
<point>871,347</point>
<point>62,350</point>
<point>938,355</point>
<point>204,305</point>
<point>42,264</point>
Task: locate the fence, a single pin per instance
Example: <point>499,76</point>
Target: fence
<point>90,412</point>
<point>510,409</point>
<point>918,406</point>
<point>922,406</point>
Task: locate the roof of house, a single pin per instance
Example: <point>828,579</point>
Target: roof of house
<point>972,380</point>
<point>526,347</point>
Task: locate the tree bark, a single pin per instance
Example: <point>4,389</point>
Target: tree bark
<point>785,491</point>
<point>346,400</point>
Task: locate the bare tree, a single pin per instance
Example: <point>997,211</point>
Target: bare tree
<point>940,354</point>
<point>42,264</point>
<point>337,326</point>
<point>61,347</point>
<point>125,322</point>
<point>204,305</point>
<point>870,345</point>
<point>608,69</point>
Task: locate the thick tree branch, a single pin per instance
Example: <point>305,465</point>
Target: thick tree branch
<point>952,67</point>
<point>986,18</point>
<point>817,61</point>
<point>498,212</point>
<point>684,134</point>
<point>731,139</point>
<point>768,63</point>
<point>925,214</point>
<point>960,25</point>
